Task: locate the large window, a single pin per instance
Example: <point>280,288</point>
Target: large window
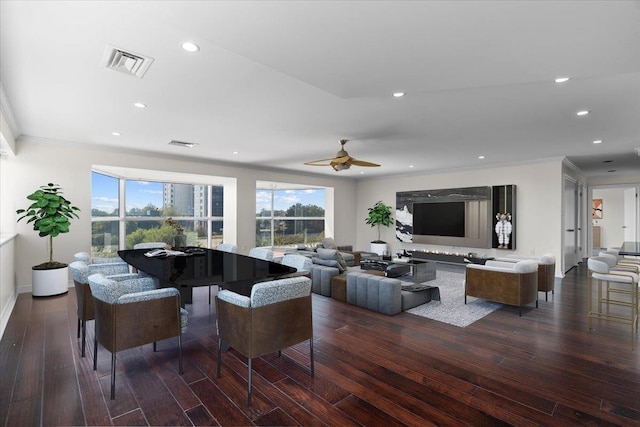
<point>290,217</point>
<point>126,212</point>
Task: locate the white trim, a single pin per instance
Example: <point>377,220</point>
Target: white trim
<point>6,312</point>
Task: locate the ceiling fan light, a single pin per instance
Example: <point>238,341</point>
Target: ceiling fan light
<point>341,166</point>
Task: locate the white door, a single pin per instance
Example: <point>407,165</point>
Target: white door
<point>570,201</point>
<point>630,225</point>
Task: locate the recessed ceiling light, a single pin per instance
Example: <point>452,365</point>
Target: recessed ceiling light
<point>481,157</point>
<point>597,141</point>
<point>140,105</point>
<point>398,94</point>
<point>115,133</point>
<point>361,173</point>
<point>234,152</point>
<point>410,166</point>
<point>583,112</point>
<point>190,47</point>
<point>562,79</point>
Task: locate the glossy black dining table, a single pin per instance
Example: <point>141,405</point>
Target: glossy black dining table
<point>630,248</point>
<point>205,267</point>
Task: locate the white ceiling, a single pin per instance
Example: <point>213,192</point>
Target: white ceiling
<point>282,82</point>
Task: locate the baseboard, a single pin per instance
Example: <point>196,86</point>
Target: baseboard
<point>6,312</point>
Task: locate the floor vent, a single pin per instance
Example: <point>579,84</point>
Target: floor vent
<point>183,144</point>
<point>130,63</point>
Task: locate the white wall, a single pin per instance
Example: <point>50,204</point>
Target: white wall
<point>38,162</point>
<point>8,291</point>
<point>539,205</point>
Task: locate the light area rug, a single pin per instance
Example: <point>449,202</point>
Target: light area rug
<point>451,308</point>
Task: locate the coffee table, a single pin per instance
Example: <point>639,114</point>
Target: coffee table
<point>420,270</point>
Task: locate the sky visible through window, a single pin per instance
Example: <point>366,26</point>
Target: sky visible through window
<point>139,193</point>
<point>283,199</point>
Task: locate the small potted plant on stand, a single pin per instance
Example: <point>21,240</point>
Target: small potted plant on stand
<point>379,215</point>
<point>50,213</point>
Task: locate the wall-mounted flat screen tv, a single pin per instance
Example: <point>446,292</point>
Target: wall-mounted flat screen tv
<point>439,219</point>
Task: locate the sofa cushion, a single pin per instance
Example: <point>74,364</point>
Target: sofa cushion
<point>329,243</point>
<point>332,254</point>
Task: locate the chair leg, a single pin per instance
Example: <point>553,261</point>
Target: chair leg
<point>209,294</point>
<point>95,354</point>
<point>84,336</point>
<point>249,383</point>
<point>113,375</point>
<point>180,354</point>
<point>155,347</point>
<point>78,327</point>
<point>311,356</point>
<point>219,358</point>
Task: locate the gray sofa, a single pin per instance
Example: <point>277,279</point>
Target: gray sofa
<point>382,294</point>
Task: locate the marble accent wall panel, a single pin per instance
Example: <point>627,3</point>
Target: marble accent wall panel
<point>450,227</point>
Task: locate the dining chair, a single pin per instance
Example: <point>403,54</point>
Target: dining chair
<point>301,263</point>
<point>130,313</point>
<point>277,315</point>
<point>262,253</point>
<point>80,271</point>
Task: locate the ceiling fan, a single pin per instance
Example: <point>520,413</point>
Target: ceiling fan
<point>342,160</point>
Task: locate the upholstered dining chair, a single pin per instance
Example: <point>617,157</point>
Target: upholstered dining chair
<point>80,271</point>
<point>277,315</point>
<point>301,263</point>
<point>130,313</point>
<point>262,253</point>
<point>86,258</point>
<point>620,288</point>
<point>150,245</point>
<point>227,247</point>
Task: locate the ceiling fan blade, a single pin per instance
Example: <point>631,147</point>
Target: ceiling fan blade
<point>321,162</point>
<point>363,163</point>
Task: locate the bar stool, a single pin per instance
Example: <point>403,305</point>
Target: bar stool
<point>618,283</point>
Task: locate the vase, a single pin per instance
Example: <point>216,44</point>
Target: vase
<point>50,282</point>
<point>180,241</point>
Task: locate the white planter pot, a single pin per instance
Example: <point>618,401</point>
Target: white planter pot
<point>379,248</point>
<point>46,283</point>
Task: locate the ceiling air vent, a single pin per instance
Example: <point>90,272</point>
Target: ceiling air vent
<point>130,63</point>
<point>183,144</point>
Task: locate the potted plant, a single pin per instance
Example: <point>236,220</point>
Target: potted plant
<point>379,215</point>
<point>50,213</point>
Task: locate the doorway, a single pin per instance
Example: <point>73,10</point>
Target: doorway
<point>570,234</point>
<point>618,219</point>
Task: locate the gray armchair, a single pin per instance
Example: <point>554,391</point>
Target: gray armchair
<point>130,313</point>
<point>276,316</point>
<point>80,271</point>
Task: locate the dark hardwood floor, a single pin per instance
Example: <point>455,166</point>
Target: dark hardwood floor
<point>539,369</point>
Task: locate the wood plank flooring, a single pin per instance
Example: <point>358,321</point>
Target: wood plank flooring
<point>539,369</point>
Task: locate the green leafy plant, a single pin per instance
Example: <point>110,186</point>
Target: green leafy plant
<point>379,215</point>
<point>50,213</point>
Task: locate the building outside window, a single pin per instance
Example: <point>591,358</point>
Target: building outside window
<point>286,218</point>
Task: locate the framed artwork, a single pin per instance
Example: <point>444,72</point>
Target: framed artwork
<point>597,208</point>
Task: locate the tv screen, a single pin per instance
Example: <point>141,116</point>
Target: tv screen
<point>439,219</point>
